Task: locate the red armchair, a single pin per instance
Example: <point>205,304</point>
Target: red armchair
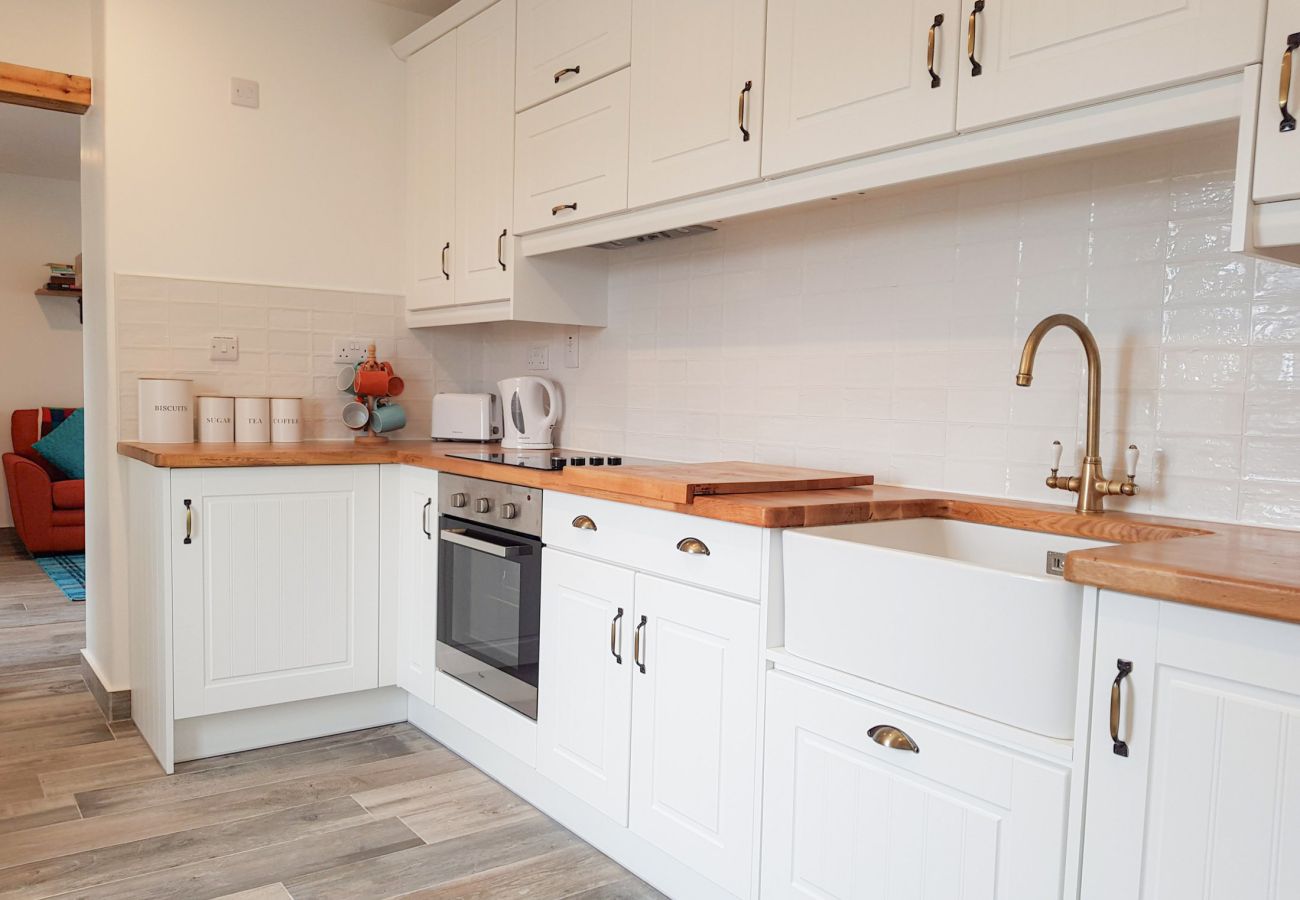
<point>48,507</point>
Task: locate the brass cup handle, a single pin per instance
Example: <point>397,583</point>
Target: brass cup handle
<point>445,248</point>
<point>556,210</point>
<point>637,645</point>
<point>893,738</point>
<point>189,522</point>
<point>1284,87</point>
<point>694,546</point>
<point>935,80</point>
<point>1123,668</point>
<point>975,67</point>
<point>568,70</point>
<point>584,522</point>
<point>616,636</point>
<point>501,242</point>
<point>740,110</point>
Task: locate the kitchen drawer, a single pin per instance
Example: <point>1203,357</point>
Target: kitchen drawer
<point>571,156</point>
<point>564,44</point>
<point>957,817</point>
<point>648,539</point>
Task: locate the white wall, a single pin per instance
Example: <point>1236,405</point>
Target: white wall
<point>46,34</point>
<point>882,335</point>
<point>303,192</point>
<point>40,343</point>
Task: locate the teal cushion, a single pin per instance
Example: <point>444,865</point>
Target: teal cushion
<point>65,446</point>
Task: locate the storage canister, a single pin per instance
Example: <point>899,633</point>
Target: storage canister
<point>217,419</point>
<point>252,420</point>
<point>286,420</point>
<point>166,410</point>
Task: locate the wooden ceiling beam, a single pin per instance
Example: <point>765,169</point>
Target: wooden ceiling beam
<point>44,89</point>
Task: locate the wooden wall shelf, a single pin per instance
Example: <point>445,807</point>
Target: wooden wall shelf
<point>44,89</point>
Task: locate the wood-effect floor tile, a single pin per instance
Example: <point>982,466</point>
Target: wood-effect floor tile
<point>551,876</point>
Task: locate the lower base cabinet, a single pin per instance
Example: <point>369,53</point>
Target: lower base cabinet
<point>647,709</point>
<point>846,817</point>
<point>417,580</point>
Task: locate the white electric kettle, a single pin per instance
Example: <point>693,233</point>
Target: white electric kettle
<point>532,407</point>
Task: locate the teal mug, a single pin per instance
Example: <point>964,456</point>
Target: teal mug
<point>387,417</point>
<point>346,377</point>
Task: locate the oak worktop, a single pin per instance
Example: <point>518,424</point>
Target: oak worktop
<point>1230,567</point>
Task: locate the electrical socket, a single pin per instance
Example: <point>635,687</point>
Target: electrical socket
<point>539,357</point>
<point>245,92</point>
<point>349,351</point>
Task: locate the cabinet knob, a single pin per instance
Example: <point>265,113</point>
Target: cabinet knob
<point>509,510</point>
<point>482,505</point>
<point>459,500</point>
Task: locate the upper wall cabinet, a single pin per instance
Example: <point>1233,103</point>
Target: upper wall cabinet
<point>848,77</point>
<point>564,44</point>
<point>431,173</point>
<point>1277,139</point>
<point>697,96</point>
<point>1026,57</point>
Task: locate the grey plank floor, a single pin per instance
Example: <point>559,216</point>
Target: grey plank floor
<point>85,810</point>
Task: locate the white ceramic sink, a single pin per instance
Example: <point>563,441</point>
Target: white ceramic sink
<point>960,613</point>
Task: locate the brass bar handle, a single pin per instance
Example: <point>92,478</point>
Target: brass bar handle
<point>740,110</point>
<point>1284,88</point>
<point>636,645</point>
<point>694,546</point>
<point>1123,667</point>
<point>892,738</point>
<point>501,242</point>
<point>556,210</point>
<point>975,67</point>
<point>189,523</point>
<point>445,248</point>
<point>424,519</point>
<point>570,70</point>
<point>584,522</point>
<point>616,628</point>
<point>935,80</point>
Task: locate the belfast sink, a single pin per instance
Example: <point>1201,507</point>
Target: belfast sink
<point>960,613</point>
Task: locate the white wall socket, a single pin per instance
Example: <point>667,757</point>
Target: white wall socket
<point>539,357</point>
<point>225,348</point>
<point>244,92</point>
<point>348,351</point>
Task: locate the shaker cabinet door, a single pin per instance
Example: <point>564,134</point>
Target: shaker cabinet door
<point>1277,137</point>
<point>431,173</point>
<point>417,580</point>
<point>276,597</point>
<point>564,44</point>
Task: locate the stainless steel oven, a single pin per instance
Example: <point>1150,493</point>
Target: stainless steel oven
<point>489,587</point>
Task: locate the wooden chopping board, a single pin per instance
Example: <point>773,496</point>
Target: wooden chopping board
<point>682,482</point>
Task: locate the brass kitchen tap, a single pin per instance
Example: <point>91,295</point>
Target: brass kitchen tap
<point>1091,484</point>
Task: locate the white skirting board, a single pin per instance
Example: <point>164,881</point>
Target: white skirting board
<point>285,723</point>
<point>643,859</point>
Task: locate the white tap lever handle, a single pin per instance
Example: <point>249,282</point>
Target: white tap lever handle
<point>1131,461</point>
<point>1056,455</point>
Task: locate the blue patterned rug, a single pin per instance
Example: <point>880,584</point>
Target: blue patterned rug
<point>68,571</point>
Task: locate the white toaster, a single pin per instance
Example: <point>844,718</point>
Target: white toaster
<point>466,417</point>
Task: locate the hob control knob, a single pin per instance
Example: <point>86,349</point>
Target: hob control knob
<point>578,461</point>
<point>509,510</point>
<point>459,500</point>
<point>482,505</point>
<point>597,460</point>
<point>615,460</point>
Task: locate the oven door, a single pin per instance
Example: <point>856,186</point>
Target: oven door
<point>489,607</point>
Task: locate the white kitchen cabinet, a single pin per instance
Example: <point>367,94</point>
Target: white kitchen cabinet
<point>564,44</point>
<point>1192,794</point>
<point>484,140</point>
<point>275,585</point>
<point>571,156</point>
<point>849,77</point>
<point>1277,138</point>
<point>697,96</point>
<point>1027,57</point>
<point>585,690</point>
<point>694,728</point>
<point>417,580</point>
<point>431,173</point>
<point>847,817</point>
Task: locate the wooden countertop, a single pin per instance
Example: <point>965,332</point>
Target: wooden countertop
<point>1230,567</point>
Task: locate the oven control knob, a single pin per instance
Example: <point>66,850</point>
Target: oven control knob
<point>509,510</point>
<point>459,500</point>
<point>482,505</point>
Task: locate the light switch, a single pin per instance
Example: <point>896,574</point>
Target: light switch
<point>225,348</point>
<point>244,92</point>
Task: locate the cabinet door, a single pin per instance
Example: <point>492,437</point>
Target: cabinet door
<point>584,690</point>
<point>276,597</point>
<point>1204,803</point>
<point>1277,138</point>
<point>694,126</point>
<point>431,173</point>
<point>846,817</point>
<point>485,154</point>
<point>564,44</point>
<point>848,77</point>
<point>1037,56</point>
<point>694,728</point>
<point>417,580</point>
<point>571,162</point>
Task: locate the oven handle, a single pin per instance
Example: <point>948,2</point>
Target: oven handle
<point>458,536</point>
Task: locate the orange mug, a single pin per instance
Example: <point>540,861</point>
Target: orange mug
<point>372,383</point>
<point>395,386</point>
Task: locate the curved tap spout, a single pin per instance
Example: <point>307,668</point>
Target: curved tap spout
<point>1025,376</point>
